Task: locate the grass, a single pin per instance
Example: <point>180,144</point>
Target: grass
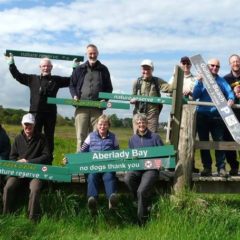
<point>169,220</point>
<point>65,215</point>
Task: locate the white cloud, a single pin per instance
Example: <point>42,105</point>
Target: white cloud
<point>125,31</point>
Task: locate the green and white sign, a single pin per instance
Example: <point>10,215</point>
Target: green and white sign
<point>130,154</point>
<point>29,170</point>
<point>43,55</point>
<point>122,165</point>
<point>88,103</point>
<point>128,97</point>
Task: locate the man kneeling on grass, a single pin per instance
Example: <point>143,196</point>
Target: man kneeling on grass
<point>28,147</point>
<point>101,140</point>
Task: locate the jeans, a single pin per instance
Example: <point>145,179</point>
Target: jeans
<point>110,183</point>
<point>214,125</point>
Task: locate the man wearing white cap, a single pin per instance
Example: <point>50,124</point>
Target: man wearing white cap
<point>148,85</point>
<point>28,147</point>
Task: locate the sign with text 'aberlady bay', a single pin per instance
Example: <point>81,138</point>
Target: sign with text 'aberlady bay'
<point>128,154</point>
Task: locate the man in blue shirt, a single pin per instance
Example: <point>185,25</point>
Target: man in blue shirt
<point>209,120</point>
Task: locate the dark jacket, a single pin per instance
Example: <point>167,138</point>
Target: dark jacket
<point>34,150</point>
<point>233,81</point>
<point>40,87</point>
<point>5,145</point>
<point>149,139</point>
<point>77,78</point>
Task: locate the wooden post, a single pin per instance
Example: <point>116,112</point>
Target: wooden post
<point>183,171</point>
<point>177,102</point>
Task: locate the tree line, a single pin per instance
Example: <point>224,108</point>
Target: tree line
<point>14,117</point>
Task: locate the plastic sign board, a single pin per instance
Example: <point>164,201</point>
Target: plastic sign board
<point>128,97</point>
<point>130,154</point>
<point>29,170</point>
<point>88,103</point>
<point>122,165</point>
<point>217,97</point>
<point>43,55</point>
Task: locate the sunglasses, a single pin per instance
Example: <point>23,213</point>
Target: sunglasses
<point>186,63</point>
<point>213,65</point>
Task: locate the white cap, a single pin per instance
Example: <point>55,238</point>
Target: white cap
<point>28,118</point>
<point>147,62</point>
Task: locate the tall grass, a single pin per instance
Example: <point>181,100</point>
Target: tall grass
<point>169,220</point>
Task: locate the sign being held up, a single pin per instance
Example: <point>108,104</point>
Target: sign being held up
<point>43,55</point>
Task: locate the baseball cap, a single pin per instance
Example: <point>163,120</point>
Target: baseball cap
<point>185,59</point>
<point>147,62</point>
<point>28,118</point>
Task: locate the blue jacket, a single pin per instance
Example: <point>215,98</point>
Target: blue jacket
<point>200,93</point>
<point>149,139</point>
<point>94,142</point>
<point>77,78</point>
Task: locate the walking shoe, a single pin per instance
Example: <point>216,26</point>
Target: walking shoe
<point>206,172</point>
<point>222,173</point>
<point>113,201</point>
<point>233,172</point>
<point>92,206</point>
<point>195,170</point>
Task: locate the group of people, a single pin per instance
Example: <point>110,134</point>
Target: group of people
<point>86,81</point>
<point>92,127</point>
<point>140,183</point>
<point>209,120</point>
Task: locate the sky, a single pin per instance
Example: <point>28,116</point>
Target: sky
<point>125,31</point>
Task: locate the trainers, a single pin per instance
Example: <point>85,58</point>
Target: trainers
<point>113,201</point>
<point>206,172</point>
<point>222,173</point>
<point>195,170</point>
<point>233,172</point>
<point>92,206</point>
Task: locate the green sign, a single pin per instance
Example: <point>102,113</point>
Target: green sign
<point>128,97</point>
<point>122,165</point>
<point>130,154</point>
<point>43,55</point>
<point>88,103</point>
<point>29,170</point>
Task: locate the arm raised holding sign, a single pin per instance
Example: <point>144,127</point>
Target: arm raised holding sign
<point>41,87</point>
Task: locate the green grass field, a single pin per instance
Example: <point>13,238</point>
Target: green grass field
<point>65,216</point>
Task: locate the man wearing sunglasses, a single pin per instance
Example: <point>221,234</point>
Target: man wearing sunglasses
<point>209,120</point>
<point>188,78</point>
<point>233,78</point>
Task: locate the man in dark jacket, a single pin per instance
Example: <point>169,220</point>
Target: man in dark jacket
<point>86,82</point>
<point>41,87</point>
<point>5,145</point>
<point>28,147</point>
<point>233,78</point>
